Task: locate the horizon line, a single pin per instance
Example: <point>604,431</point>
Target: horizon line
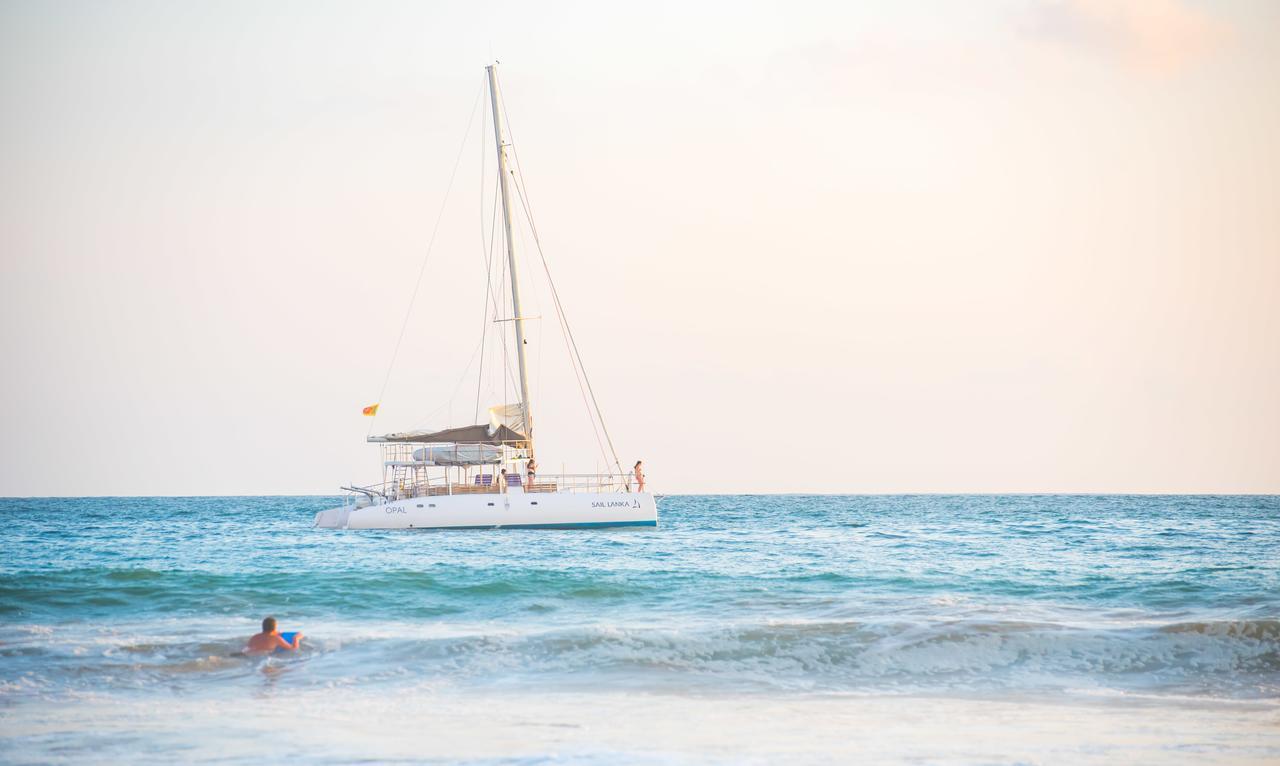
<point>1024,493</point>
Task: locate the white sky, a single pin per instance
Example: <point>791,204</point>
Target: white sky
<point>874,247</point>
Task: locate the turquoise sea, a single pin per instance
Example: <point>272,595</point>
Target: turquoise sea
<point>744,628</point>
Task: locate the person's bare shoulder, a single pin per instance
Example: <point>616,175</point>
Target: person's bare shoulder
<point>257,644</point>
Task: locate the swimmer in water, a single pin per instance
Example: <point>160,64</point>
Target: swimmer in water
<point>270,640</point>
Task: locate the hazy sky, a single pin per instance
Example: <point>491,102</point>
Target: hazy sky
<point>845,247</point>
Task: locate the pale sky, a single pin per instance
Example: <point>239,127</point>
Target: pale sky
<point>819,247</point>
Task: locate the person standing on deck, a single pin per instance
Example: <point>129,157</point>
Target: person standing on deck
<point>639,473</point>
<point>531,469</point>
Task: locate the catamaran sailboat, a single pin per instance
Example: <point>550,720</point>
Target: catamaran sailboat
<point>479,476</point>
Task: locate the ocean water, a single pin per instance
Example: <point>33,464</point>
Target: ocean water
<point>744,628</point>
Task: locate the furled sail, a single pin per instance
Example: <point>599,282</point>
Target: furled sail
<point>510,415</point>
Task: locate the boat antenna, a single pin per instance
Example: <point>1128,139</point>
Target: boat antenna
<point>518,319</point>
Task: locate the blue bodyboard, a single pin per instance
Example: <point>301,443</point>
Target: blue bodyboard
<point>288,638</point>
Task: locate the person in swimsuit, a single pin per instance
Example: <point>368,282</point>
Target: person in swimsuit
<point>270,640</point>
<point>639,472</point>
<point>531,469</point>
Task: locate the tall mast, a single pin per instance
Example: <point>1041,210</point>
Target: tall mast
<point>504,174</point>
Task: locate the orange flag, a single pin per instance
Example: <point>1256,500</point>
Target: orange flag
<point>371,410</point>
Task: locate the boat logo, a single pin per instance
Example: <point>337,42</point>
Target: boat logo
<point>394,509</point>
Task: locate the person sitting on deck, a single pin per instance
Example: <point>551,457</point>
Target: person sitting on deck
<point>270,640</point>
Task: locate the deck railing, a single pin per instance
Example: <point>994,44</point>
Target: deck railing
<point>422,486</point>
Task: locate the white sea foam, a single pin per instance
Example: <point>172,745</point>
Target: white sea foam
<point>1233,658</point>
<point>421,722</point>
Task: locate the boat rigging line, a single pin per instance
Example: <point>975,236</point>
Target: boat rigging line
<point>404,325</point>
<point>575,357</point>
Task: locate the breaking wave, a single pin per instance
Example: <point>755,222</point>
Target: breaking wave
<point>1235,659</point>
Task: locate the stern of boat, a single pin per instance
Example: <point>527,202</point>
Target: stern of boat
<point>334,518</point>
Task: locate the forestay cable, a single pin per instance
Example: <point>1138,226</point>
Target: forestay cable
<point>425,256</point>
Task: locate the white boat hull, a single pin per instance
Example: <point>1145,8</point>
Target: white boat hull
<point>511,510</point>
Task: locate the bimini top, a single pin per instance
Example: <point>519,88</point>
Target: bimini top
<point>480,434</point>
